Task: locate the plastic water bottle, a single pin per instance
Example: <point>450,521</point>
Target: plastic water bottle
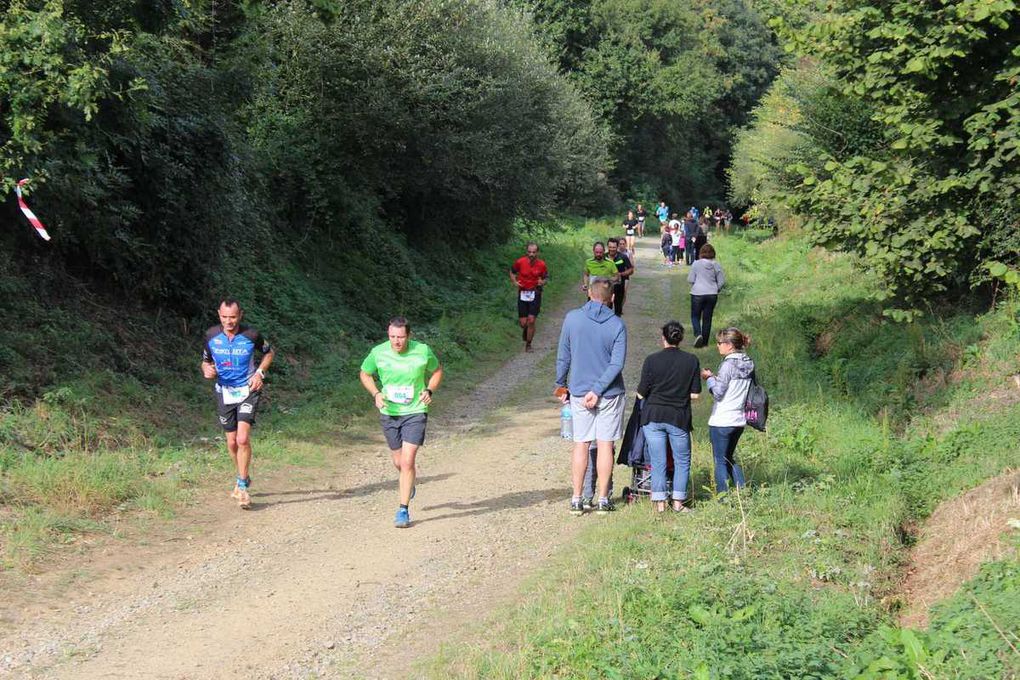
<point>566,422</point>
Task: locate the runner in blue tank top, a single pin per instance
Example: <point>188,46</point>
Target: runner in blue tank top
<point>229,358</point>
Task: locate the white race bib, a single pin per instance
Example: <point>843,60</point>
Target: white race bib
<point>235,395</point>
<point>527,296</point>
<point>400,394</point>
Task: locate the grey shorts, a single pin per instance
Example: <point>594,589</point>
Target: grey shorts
<point>399,430</point>
<point>602,423</point>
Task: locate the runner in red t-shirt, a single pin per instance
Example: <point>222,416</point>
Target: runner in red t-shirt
<point>529,275</point>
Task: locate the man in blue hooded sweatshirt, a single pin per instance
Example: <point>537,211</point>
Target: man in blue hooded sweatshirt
<point>592,349</point>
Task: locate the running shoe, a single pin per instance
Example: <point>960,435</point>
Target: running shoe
<point>576,508</point>
<point>241,494</point>
<point>588,503</point>
<point>699,341</point>
<point>403,519</point>
<point>605,506</point>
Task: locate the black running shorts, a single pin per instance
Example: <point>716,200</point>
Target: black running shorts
<point>531,308</point>
<point>231,414</point>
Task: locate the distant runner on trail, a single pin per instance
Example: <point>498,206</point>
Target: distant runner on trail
<point>624,267</point>
<point>402,365</point>
<point>630,227</point>
<point>662,212</point>
<point>529,274</point>
<point>598,265</point>
<point>690,236</point>
<point>229,358</point>
<point>642,215</point>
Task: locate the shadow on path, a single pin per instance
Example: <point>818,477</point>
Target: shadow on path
<point>308,495</point>
<point>515,500</point>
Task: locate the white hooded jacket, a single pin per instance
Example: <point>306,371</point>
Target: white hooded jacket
<point>729,390</point>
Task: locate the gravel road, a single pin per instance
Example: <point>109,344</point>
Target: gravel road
<point>315,581</point>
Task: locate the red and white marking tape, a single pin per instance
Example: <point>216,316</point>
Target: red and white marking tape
<point>28,212</point>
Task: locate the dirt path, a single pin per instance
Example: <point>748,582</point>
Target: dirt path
<point>316,582</point>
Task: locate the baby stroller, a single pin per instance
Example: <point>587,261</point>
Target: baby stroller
<point>634,454</point>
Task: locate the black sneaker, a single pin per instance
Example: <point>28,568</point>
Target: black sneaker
<point>576,508</point>
<point>588,503</point>
<point>699,341</point>
<point>605,506</point>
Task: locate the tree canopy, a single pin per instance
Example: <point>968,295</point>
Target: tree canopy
<point>669,80</point>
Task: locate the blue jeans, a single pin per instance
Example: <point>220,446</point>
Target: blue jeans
<point>702,308</point>
<point>656,435</point>
<point>724,451</point>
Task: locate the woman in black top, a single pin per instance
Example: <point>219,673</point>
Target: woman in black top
<point>669,380</point>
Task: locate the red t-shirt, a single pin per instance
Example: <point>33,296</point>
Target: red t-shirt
<point>528,274</point>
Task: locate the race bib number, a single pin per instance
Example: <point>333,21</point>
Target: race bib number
<point>527,296</point>
<point>235,395</point>
<point>400,394</point>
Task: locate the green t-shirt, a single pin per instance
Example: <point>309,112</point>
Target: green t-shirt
<point>604,267</point>
<point>402,375</point>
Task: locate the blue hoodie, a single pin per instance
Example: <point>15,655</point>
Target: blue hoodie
<point>593,347</point>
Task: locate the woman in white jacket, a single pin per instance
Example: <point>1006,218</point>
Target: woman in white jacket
<point>729,391</point>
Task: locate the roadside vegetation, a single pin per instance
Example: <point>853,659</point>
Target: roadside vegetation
<point>874,424</point>
<point>892,134</point>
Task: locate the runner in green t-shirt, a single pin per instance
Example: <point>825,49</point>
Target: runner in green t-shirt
<point>402,365</point>
<point>599,265</point>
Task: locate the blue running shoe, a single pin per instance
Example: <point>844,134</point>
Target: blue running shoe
<point>403,519</point>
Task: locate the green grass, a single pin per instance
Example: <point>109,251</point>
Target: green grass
<point>99,442</point>
<point>873,424</point>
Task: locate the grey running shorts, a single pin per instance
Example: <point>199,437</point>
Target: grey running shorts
<point>401,429</point>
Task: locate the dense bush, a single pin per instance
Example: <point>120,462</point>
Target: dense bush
<point>155,152</point>
<point>910,141</point>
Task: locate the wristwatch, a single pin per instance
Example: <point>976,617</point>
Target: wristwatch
<point>427,390</point>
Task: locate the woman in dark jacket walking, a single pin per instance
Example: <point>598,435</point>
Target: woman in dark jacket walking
<point>669,380</point>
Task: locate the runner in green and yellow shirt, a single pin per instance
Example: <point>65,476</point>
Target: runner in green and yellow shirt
<point>403,401</point>
<point>599,265</point>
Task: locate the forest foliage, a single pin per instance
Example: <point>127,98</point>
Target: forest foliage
<point>669,80</point>
<point>160,137</point>
<point>895,135</point>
